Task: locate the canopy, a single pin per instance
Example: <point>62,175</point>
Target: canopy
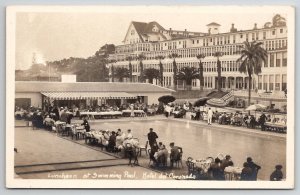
<point>256,107</point>
<point>87,95</point>
<point>201,101</point>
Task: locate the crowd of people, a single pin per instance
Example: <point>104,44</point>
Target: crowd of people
<point>220,167</point>
<point>236,118</point>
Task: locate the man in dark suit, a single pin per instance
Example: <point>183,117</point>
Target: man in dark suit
<point>152,136</point>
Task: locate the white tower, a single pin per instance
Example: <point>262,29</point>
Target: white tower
<point>213,28</point>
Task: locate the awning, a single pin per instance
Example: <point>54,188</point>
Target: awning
<point>87,95</point>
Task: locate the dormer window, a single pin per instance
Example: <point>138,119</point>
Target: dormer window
<point>155,29</point>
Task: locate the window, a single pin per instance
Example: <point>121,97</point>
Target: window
<point>272,60</point>
<point>284,59</point>
<point>198,41</point>
<point>271,82</point>
<point>277,82</point>
<point>278,60</point>
<point>273,32</point>
<point>241,36</point>
<point>180,42</point>
<point>265,82</point>
<point>233,38</point>
<point>283,82</point>
<point>132,32</point>
<point>264,35</point>
<point>257,35</point>
<point>281,30</point>
<point>253,36</point>
<point>247,36</point>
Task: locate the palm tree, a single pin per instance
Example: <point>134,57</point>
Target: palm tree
<point>201,78</point>
<point>129,59</point>
<point>151,73</point>
<point>174,56</point>
<point>219,54</point>
<point>161,69</point>
<point>121,73</point>
<point>140,58</point>
<point>251,60</point>
<point>187,74</point>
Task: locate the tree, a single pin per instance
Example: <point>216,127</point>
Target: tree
<point>187,74</point>
<point>201,78</point>
<point>174,56</point>
<point>161,69</point>
<point>278,21</point>
<point>129,59</point>
<point>112,68</point>
<point>151,73</point>
<point>121,73</point>
<point>252,57</point>
<point>140,58</point>
<point>219,54</point>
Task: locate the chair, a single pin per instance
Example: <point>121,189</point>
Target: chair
<point>150,160</point>
<point>191,167</point>
<point>142,148</point>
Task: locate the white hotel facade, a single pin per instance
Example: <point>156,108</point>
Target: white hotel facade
<point>152,40</point>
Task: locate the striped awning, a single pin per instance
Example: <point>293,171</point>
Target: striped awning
<point>87,95</point>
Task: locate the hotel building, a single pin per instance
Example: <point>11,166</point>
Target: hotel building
<point>152,40</point>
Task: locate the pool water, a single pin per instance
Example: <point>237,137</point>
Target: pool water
<point>201,141</point>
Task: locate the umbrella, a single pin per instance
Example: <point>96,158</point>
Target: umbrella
<point>201,101</point>
<point>256,107</point>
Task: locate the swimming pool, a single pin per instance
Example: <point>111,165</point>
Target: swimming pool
<point>201,141</point>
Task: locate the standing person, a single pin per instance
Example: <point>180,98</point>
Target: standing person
<point>152,136</point>
<point>277,174</point>
<point>254,167</point>
<point>86,124</point>
<point>209,116</point>
<point>131,111</point>
<point>262,121</point>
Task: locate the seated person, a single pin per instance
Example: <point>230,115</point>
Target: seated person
<point>162,155</point>
<point>174,156</point>
<point>48,121</point>
<point>216,171</point>
<point>112,142</point>
<point>277,174</point>
<point>226,162</point>
<point>246,174</point>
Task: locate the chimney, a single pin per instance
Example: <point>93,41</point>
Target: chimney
<point>232,28</point>
<point>170,31</point>
<point>255,26</point>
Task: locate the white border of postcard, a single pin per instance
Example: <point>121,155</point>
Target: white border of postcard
<point>12,182</point>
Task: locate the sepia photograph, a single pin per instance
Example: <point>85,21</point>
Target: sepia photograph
<point>150,97</point>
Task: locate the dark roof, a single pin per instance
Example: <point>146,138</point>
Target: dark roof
<point>33,86</point>
<point>213,24</point>
<point>143,28</point>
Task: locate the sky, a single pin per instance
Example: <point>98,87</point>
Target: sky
<point>56,35</point>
